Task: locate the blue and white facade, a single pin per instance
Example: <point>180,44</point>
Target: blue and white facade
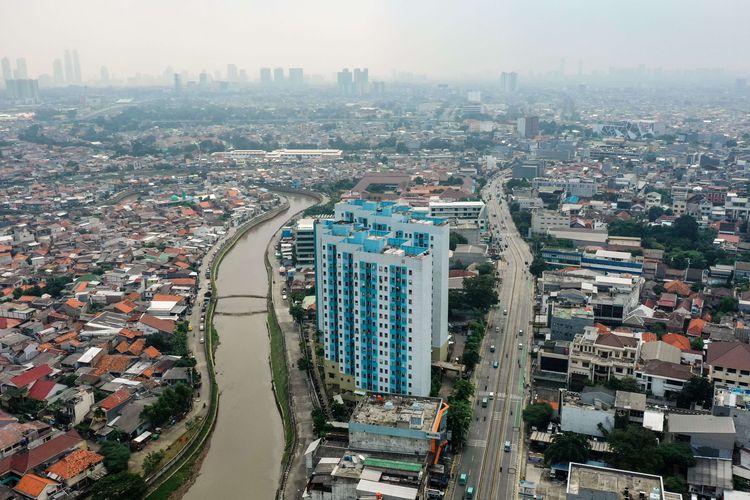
<point>602,260</point>
<point>382,296</point>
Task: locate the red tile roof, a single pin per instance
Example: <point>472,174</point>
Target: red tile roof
<point>695,327</point>
<point>33,486</point>
<point>26,378</point>
<point>115,399</point>
<point>41,389</point>
<point>681,342</point>
<point>73,464</point>
<point>23,461</point>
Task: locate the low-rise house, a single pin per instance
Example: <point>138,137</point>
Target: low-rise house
<point>663,378</point>
<point>729,363</point>
<point>599,357</point>
<point>77,469</point>
<point>37,487</point>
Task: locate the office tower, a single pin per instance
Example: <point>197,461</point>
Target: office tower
<point>232,75</point>
<point>76,67</point>
<point>57,72</point>
<point>296,76</point>
<point>381,273</point>
<point>278,75</point>
<point>104,75</point>
<point>7,73</point>
<point>69,77</point>
<point>361,80</point>
<point>265,75</point>
<point>203,79</point>
<point>177,83</point>
<point>22,90</point>
<point>528,127</point>
<point>22,72</point>
<point>344,81</point>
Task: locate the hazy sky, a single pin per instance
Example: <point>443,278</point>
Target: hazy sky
<point>440,38</point>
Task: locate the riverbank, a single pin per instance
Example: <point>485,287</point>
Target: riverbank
<point>296,385</point>
<point>184,465</point>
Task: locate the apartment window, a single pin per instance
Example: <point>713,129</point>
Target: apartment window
<point>731,370</point>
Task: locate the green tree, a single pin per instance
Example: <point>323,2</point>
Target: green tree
<point>297,313</point>
<point>567,447</point>
<point>628,384</point>
<point>538,415</point>
<point>697,390</point>
<point>538,266</point>
<point>685,227</point>
<point>115,455</point>
<point>320,422</point>
<point>152,461</point>
<point>119,486</point>
<point>455,239</point>
<point>676,457</point>
<point>463,390</point>
<point>459,420</point>
<point>654,213</point>
<point>635,448</point>
<point>676,484</point>
<point>696,344</point>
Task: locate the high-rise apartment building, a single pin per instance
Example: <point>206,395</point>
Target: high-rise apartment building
<point>177,83</point>
<point>296,76</point>
<point>22,72</point>
<point>69,76</point>
<point>528,127</point>
<point>76,67</point>
<point>22,90</point>
<point>7,72</point>
<point>278,75</point>
<point>232,73</point>
<point>57,72</point>
<point>265,76</point>
<point>104,75</point>
<point>345,81</point>
<point>509,81</point>
<point>361,80</point>
<point>381,273</point>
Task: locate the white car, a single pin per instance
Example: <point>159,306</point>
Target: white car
<point>283,296</point>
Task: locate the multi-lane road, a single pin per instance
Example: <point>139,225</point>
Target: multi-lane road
<point>492,470</point>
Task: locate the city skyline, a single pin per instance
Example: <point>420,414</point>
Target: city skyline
<point>445,41</point>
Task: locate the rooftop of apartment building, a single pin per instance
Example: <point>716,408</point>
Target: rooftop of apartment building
<point>397,411</point>
<point>600,483</point>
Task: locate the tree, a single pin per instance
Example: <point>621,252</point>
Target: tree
<point>685,227</point>
<point>298,313</point>
<point>676,457</point>
<point>538,415</point>
<point>455,239</point>
<point>151,462</point>
<point>627,384</point>
<point>459,420</point>
<point>486,268</point>
<point>116,456</point>
<point>696,344</point>
<point>676,484</point>
<point>635,448</point>
<point>538,266</point>
<point>120,486</point>
<point>697,390</point>
<point>655,212</point>
<point>320,422</point>
<point>463,390</point>
<point>567,447</point>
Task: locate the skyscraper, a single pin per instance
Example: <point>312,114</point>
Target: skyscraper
<point>104,75</point>
<point>381,273</point>
<point>232,74</point>
<point>361,80</point>
<point>76,67</point>
<point>509,81</point>
<point>57,72</point>
<point>22,90</point>
<point>296,76</point>
<point>265,75</point>
<point>177,83</point>
<point>344,81</point>
<point>278,75</point>
<point>528,127</point>
<point>22,72</point>
<point>7,72</point>
<point>69,76</point>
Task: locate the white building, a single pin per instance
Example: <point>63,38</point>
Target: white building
<point>460,211</point>
<point>543,220</point>
<point>304,242</point>
<point>381,273</point>
<point>574,187</point>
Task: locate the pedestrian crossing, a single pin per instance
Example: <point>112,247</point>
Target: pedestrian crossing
<point>477,443</point>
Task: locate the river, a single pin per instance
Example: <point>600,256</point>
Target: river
<point>244,459</point>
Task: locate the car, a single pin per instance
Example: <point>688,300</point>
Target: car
<point>495,364</point>
<point>520,332</point>
<point>520,346</point>
<point>202,340</point>
<point>484,402</point>
<point>462,479</point>
<point>283,296</point>
<point>491,395</point>
<point>497,329</point>
<point>507,446</point>
<point>201,328</point>
<point>505,312</point>
<point>190,328</point>
<point>492,348</point>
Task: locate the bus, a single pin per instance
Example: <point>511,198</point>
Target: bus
<point>138,443</point>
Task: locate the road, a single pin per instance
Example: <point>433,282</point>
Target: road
<point>492,471</point>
